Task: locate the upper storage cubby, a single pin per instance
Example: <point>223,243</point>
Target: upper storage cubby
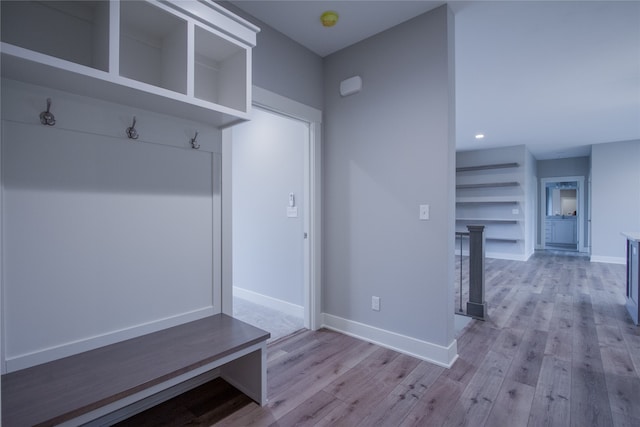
<point>153,46</point>
<point>188,59</point>
<point>219,70</point>
<point>76,31</point>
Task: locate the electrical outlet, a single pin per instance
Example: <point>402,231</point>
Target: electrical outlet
<point>375,303</point>
<point>515,211</point>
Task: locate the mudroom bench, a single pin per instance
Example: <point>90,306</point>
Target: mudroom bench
<point>90,385</point>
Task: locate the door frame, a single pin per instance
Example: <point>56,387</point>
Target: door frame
<point>312,248</point>
<point>581,203</point>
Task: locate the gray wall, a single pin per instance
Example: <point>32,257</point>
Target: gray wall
<point>388,149</point>
<point>615,198</point>
<point>267,165</point>
<point>283,66</point>
<point>572,166</point>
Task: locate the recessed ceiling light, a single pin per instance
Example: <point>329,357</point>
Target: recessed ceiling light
<point>480,136</point>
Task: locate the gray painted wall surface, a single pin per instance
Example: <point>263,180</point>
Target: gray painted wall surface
<point>572,166</point>
<point>388,149</point>
<point>267,164</point>
<point>615,191</point>
<point>283,66</point>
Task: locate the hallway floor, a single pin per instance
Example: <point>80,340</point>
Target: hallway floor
<point>558,349</point>
<point>277,323</point>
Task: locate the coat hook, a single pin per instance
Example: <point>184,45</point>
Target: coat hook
<point>132,133</point>
<point>194,143</point>
<point>46,118</point>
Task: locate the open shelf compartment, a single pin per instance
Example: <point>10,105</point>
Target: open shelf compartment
<point>220,70</point>
<point>77,32</point>
<point>153,46</point>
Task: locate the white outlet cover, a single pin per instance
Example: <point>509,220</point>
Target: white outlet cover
<point>424,212</point>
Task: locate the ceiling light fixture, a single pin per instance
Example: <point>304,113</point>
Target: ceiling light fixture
<point>480,136</point>
<point>329,18</point>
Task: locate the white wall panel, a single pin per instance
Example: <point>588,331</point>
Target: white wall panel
<point>104,237</point>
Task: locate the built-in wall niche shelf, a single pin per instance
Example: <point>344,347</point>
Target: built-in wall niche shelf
<point>489,220</point>
<point>488,185</point>
<point>185,59</point>
<point>488,200</point>
<point>495,239</point>
<point>487,167</point>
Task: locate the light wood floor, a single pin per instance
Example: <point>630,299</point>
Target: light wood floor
<point>559,349</point>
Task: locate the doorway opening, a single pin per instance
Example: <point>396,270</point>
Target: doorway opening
<point>268,203</point>
<point>271,216</point>
<point>563,208</point>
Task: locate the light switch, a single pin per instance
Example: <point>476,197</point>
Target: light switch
<point>424,212</point>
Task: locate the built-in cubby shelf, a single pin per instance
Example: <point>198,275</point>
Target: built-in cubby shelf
<point>487,167</point>
<point>185,59</point>
<point>153,46</point>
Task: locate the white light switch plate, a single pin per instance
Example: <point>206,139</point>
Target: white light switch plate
<point>292,212</point>
<point>424,212</point>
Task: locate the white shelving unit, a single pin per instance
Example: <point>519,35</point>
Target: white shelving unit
<point>186,59</point>
<point>494,201</point>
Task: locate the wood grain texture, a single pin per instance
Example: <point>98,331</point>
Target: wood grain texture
<point>66,388</point>
<point>558,349</point>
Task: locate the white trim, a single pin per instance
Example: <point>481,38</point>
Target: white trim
<point>424,350</point>
<point>154,400</point>
<point>269,302</point>
<point>22,361</point>
<point>274,102</point>
<point>608,259</point>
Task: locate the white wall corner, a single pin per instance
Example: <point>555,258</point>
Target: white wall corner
<point>423,350</point>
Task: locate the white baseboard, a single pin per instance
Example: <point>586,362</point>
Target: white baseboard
<point>424,350</point>
<point>507,256</point>
<point>67,349</point>
<point>270,302</point>
<point>608,259</point>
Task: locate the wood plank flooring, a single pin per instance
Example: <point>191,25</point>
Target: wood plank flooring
<point>558,350</point>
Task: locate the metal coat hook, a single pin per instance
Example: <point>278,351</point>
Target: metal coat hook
<point>132,133</point>
<point>46,118</point>
<point>194,143</point>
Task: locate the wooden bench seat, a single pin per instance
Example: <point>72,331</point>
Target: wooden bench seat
<point>88,385</point>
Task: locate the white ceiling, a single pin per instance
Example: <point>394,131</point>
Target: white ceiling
<point>556,76</point>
